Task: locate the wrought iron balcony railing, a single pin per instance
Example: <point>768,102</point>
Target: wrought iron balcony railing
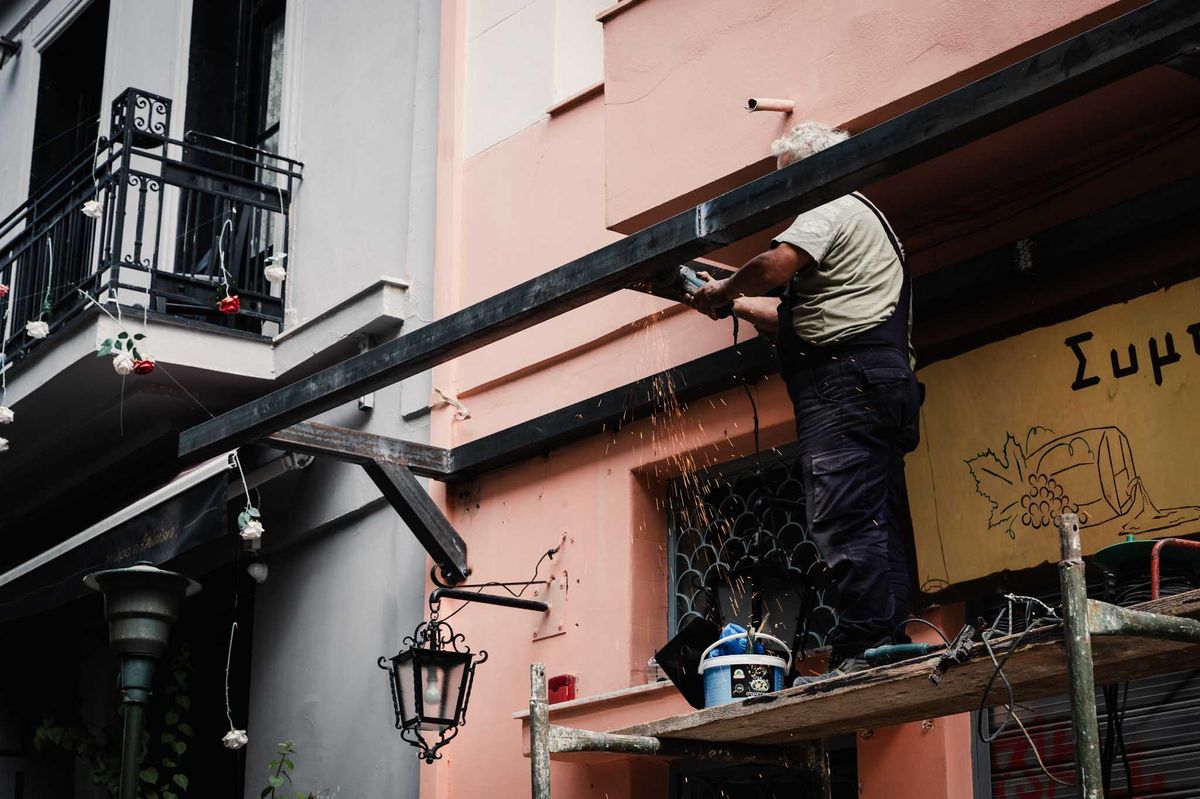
<point>179,225</point>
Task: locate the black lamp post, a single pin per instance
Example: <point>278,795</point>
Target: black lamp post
<point>431,685</point>
<point>140,603</point>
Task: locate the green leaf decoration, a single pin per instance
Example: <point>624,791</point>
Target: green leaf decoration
<point>170,795</point>
<point>274,764</point>
<point>289,764</point>
<point>180,780</point>
<point>122,334</point>
<point>149,774</point>
<point>169,763</point>
<point>275,780</point>
<point>243,519</point>
<point>180,747</point>
<point>138,336</point>
<point>105,349</point>
<point>117,345</point>
<point>186,728</point>
<point>136,354</point>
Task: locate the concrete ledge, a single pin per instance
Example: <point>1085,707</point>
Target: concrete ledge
<point>377,310</point>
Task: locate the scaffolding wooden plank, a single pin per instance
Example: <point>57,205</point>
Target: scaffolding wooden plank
<point>902,692</point>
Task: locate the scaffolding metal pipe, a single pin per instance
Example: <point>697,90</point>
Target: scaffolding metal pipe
<point>1156,560</point>
<point>1108,619</point>
<point>568,739</point>
<point>539,731</point>
<point>1078,642</point>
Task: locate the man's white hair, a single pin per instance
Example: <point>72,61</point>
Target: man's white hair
<point>805,139</point>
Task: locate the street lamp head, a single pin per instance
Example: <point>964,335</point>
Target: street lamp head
<point>140,603</point>
<point>431,685</point>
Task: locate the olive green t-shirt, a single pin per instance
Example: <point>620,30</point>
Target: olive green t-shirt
<point>856,278</point>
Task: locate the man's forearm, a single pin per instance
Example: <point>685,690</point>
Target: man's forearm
<point>762,312</point>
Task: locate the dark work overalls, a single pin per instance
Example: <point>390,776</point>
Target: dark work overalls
<point>856,406</point>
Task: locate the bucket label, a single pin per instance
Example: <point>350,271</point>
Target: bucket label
<point>751,680</point>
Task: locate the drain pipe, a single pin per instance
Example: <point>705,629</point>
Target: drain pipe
<point>770,104</point>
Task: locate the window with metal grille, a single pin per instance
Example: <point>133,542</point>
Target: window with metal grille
<point>740,552</point>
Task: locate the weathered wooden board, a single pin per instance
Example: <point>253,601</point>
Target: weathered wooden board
<point>902,692</point>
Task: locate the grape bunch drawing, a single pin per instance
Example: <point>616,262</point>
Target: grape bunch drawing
<point>1044,501</point>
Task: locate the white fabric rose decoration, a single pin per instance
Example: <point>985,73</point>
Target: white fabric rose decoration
<point>123,363</point>
<point>274,271</point>
<point>252,530</point>
<point>6,414</point>
<point>92,208</point>
<point>275,274</point>
<point>3,445</point>
<point>235,739</point>
<point>37,329</point>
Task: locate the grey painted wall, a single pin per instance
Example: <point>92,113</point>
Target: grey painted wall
<point>350,587</point>
<point>346,578</point>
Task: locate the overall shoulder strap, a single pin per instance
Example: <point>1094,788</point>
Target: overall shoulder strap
<point>887,228</point>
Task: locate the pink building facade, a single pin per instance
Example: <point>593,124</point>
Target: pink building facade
<point>565,124</point>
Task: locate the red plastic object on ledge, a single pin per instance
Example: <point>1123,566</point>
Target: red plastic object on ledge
<point>561,688</point>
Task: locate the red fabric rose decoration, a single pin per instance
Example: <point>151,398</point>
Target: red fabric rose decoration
<point>229,305</point>
<point>3,290</point>
<point>143,366</point>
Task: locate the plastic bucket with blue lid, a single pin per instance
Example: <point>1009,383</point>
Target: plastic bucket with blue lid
<point>728,678</point>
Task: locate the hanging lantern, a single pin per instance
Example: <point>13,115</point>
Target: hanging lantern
<point>431,685</point>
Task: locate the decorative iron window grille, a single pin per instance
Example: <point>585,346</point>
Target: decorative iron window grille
<point>177,217</point>
<point>740,552</point>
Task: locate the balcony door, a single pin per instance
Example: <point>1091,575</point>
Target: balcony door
<point>232,113</point>
<point>69,102</point>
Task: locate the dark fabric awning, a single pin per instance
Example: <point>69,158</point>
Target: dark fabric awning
<point>184,513</point>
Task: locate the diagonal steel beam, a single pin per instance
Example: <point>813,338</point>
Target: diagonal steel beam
<point>423,517</point>
<point>1123,46</point>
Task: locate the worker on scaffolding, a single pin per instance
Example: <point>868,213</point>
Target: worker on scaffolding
<point>842,333</point>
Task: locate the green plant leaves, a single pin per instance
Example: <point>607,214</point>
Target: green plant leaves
<point>148,774</point>
<point>180,780</point>
<point>185,729</point>
<point>276,781</point>
<point>180,747</point>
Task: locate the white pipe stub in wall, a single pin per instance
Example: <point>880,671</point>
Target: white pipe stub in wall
<point>770,104</point>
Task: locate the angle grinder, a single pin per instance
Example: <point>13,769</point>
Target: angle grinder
<point>684,280</point>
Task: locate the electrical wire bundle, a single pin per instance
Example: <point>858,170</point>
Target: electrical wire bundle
<point>1036,613</point>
